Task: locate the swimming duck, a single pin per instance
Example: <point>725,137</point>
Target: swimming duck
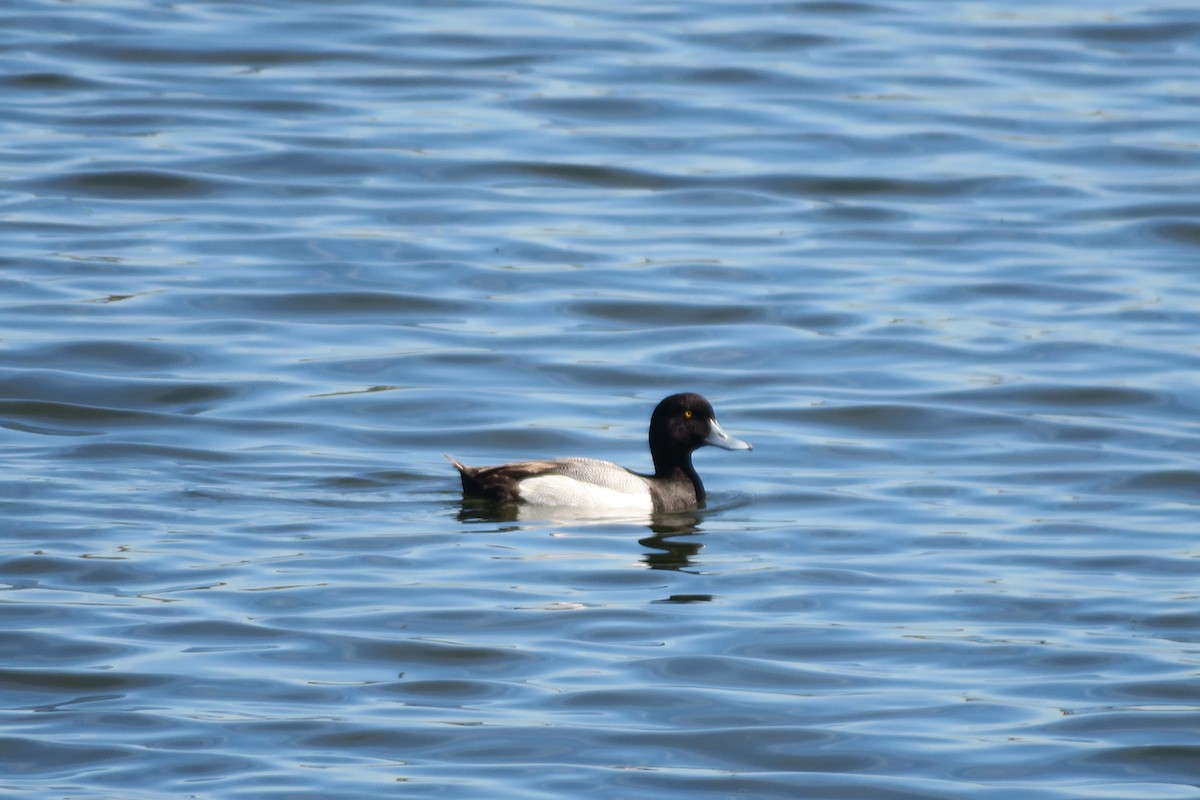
<point>679,425</point>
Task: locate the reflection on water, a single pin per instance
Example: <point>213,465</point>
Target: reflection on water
<point>671,549</point>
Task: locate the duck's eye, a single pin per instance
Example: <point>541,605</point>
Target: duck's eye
<point>687,413</point>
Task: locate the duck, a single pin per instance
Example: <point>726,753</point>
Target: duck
<point>680,425</point>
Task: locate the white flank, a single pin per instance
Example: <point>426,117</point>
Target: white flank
<point>560,490</point>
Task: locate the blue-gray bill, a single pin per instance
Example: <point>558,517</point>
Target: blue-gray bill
<point>717,437</point>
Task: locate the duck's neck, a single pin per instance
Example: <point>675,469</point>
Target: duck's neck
<point>668,466</point>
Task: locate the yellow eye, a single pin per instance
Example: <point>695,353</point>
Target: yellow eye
<point>687,413</point>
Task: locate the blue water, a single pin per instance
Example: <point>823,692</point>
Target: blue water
<point>264,263</point>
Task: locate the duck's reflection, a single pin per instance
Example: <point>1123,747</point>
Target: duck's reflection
<point>669,545</point>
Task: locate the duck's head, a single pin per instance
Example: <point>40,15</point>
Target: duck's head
<point>683,423</point>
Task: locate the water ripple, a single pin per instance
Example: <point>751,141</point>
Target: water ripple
<point>263,269</point>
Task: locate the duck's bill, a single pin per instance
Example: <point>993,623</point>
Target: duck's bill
<point>717,437</point>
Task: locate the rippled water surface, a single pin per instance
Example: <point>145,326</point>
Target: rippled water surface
<point>264,263</point>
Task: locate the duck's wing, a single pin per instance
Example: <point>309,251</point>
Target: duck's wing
<point>503,482</point>
<point>588,483</point>
<point>596,472</point>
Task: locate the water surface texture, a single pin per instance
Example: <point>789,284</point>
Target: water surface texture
<point>264,263</point>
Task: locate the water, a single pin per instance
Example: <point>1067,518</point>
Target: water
<point>263,264</point>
